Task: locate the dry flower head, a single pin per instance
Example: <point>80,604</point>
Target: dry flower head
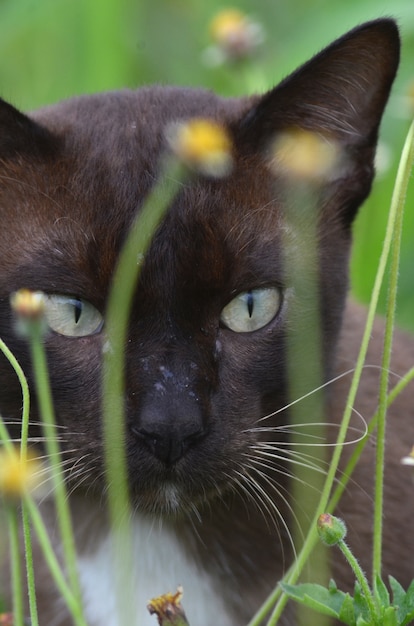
<point>168,609</point>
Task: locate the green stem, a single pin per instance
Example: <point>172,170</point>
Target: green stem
<point>311,538</point>
<point>397,208</point>
<point>52,447</point>
<point>25,399</point>
<point>356,454</point>
<point>52,562</point>
<point>23,451</point>
<point>16,573</point>
<point>117,318</point>
<point>362,579</point>
<point>31,589</point>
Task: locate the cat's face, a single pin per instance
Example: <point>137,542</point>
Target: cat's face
<point>216,299</point>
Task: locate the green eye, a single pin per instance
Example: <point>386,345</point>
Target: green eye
<point>72,317</point>
<point>251,310</point>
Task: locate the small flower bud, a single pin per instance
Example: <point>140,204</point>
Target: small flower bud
<point>331,529</point>
<point>202,145</point>
<point>29,308</point>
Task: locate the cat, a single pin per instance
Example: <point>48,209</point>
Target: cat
<point>206,394</point>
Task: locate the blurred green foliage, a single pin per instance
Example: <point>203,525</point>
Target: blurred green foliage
<point>54,49</point>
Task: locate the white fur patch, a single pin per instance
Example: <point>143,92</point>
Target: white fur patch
<point>159,565</point>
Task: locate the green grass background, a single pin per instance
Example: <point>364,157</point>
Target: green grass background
<point>54,49</point>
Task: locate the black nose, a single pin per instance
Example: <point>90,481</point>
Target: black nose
<point>168,444</point>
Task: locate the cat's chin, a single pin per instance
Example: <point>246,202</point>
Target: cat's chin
<point>167,500</point>
<point>171,500</point>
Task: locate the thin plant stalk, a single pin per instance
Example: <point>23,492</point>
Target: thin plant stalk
<point>397,204</point>
<point>118,311</point>
<point>362,580</point>
<point>25,399</point>
<point>52,562</point>
<point>16,573</point>
<point>353,460</point>
<point>305,339</point>
<point>4,438</point>
<point>53,451</point>
<point>30,577</point>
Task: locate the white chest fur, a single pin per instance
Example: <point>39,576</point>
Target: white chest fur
<point>158,565</point>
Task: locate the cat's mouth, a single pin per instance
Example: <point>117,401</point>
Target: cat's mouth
<point>166,500</point>
<point>171,496</point>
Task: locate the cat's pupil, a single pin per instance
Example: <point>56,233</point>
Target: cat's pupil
<point>250,303</point>
<point>77,309</point>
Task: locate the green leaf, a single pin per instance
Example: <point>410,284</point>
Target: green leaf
<point>403,601</point>
<point>347,612</point>
<point>390,617</point>
<point>381,592</point>
<point>327,601</point>
<point>360,604</point>
<point>398,593</point>
<point>408,619</point>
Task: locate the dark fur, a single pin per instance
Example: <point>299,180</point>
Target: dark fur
<point>74,175</point>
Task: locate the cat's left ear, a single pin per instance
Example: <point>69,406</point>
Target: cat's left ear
<point>21,135</point>
<point>339,95</point>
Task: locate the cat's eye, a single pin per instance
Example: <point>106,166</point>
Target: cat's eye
<point>251,310</point>
<point>72,317</point>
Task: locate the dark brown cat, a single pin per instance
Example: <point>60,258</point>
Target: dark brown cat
<point>212,508</point>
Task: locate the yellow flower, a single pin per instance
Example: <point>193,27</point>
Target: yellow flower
<point>28,303</point>
<point>19,475</point>
<point>305,155</point>
<point>29,308</point>
<point>227,23</point>
<point>235,35</point>
<point>203,145</point>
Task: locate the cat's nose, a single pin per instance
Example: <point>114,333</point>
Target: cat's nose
<point>166,444</point>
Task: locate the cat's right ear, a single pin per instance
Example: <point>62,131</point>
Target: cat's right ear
<point>338,96</point>
<point>21,135</point>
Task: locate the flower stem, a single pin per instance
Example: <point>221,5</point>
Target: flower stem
<point>52,562</point>
<point>53,451</point>
<point>34,619</point>
<point>4,437</point>
<point>117,317</point>
<point>397,208</point>
<point>16,574</point>
<point>362,579</point>
<point>353,460</point>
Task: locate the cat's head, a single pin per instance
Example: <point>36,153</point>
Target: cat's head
<point>220,290</point>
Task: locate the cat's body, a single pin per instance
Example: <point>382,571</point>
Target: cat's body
<point>198,393</point>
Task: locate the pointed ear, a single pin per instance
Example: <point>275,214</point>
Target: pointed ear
<point>342,91</point>
<point>21,135</point>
